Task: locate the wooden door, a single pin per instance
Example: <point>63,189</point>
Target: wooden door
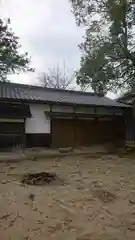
<point>62,132</point>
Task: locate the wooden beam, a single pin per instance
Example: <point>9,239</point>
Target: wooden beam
<point>11,120</point>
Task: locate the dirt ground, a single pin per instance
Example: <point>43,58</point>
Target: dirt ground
<point>94,200</point>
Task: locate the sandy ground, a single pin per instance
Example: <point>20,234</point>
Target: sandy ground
<point>94,201</point>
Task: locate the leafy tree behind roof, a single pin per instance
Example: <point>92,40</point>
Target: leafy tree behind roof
<point>108,50</point>
<point>11,60</point>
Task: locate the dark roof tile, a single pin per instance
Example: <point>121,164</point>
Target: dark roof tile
<point>15,91</point>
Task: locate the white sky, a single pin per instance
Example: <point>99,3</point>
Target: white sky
<point>47,31</point>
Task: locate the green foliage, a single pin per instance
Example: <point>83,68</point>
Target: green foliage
<point>11,61</point>
<point>108,50</point>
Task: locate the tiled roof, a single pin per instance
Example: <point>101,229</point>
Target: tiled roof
<point>127,98</point>
<point>13,91</point>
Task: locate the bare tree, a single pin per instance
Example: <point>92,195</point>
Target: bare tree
<point>84,88</point>
<point>58,78</point>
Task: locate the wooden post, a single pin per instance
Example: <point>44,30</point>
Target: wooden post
<point>24,135</point>
<point>74,129</point>
<point>51,126</point>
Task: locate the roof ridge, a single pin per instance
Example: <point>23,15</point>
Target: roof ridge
<point>49,89</point>
<point>25,92</point>
<point>127,94</point>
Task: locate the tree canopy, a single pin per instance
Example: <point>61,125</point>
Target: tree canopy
<point>108,49</point>
<point>11,60</point>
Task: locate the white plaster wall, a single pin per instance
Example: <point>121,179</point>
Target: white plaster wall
<point>39,122</point>
<point>105,111</point>
<point>58,108</point>
<point>70,109</point>
<point>85,110</point>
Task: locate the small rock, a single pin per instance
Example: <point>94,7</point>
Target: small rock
<point>132,200</point>
<point>34,159</point>
<point>4,181</point>
<point>31,197</point>
<point>80,187</point>
<point>131,225</point>
<point>66,150</point>
<point>50,205</point>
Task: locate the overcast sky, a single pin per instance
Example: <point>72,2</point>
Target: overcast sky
<point>47,31</point>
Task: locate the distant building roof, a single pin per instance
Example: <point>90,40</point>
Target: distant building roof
<point>21,92</point>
